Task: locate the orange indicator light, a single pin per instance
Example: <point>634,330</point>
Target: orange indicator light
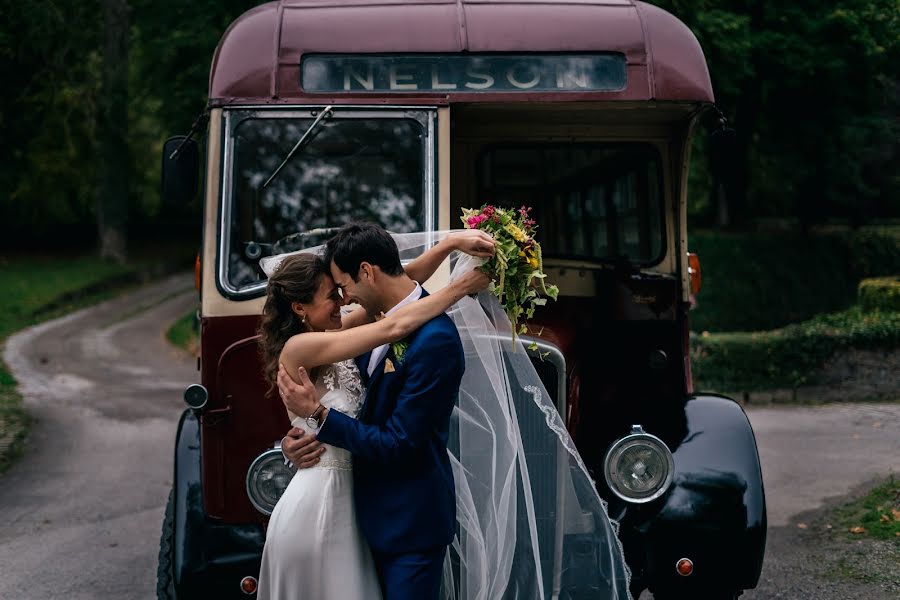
<point>197,272</point>
<point>694,272</point>
<point>684,567</point>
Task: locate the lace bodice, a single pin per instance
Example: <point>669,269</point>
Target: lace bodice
<point>344,391</point>
<point>344,387</point>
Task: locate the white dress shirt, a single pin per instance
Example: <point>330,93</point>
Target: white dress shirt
<point>379,352</point>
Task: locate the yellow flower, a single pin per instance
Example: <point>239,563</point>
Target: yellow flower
<point>517,233</point>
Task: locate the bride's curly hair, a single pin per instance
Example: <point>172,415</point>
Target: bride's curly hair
<point>295,280</point>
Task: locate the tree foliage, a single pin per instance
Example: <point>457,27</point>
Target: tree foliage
<point>811,88</point>
<point>51,54</point>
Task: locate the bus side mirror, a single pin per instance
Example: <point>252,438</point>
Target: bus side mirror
<point>180,170</point>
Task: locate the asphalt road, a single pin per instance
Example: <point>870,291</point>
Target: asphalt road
<point>80,514</point>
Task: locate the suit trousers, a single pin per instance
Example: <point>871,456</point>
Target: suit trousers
<point>411,575</point>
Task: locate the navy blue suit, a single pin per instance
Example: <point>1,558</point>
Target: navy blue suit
<point>403,483</point>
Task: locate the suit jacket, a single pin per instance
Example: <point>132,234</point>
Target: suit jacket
<point>403,483</point>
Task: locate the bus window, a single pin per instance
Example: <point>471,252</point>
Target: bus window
<point>370,169</point>
<point>593,201</point>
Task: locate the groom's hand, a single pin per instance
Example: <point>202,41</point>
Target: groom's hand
<point>474,242</point>
<point>301,449</point>
<point>300,398</point>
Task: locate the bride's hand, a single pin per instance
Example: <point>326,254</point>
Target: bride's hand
<point>473,242</point>
<point>472,282</point>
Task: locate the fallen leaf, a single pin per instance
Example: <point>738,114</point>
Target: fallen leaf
<point>885,519</point>
<point>802,526</point>
<point>876,424</point>
<point>858,529</point>
<point>896,514</point>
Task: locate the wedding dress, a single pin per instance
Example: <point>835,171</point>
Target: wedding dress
<point>314,548</point>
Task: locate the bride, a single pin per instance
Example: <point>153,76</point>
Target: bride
<point>313,543</point>
<point>516,537</point>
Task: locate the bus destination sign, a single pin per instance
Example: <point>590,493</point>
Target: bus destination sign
<point>449,73</point>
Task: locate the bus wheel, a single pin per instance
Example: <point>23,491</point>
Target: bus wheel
<point>165,586</point>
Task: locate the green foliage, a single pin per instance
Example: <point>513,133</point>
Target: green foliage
<point>811,88</point>
<point>756,281</point>
<point>787,357</point>
<point>880,293</point>
<point>30,284</point>
<point>14,421</point>
<point>51,66</point>
<point>183,332</point>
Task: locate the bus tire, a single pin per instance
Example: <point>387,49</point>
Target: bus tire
<point>165,584</point>
<point>701,596</point>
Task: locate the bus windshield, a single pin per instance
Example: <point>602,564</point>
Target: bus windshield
<point>361,166</point>
<point>592,201</point>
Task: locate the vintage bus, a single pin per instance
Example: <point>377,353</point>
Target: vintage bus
<point>321,112</point>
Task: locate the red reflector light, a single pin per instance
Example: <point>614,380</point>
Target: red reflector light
<point>248,585</point>
<point>684,567</point>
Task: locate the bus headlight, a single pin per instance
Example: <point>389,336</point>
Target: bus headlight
<point>267,478</point>
<point>639,467</point>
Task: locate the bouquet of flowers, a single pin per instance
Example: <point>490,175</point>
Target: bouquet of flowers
<point>516,269</point>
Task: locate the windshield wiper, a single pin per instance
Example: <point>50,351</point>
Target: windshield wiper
<point>304,139</point>
<point>280,246</point>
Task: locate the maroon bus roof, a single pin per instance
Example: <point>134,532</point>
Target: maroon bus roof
<point>258,58</point>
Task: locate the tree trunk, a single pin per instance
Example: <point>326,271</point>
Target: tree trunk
<point>112,191</point>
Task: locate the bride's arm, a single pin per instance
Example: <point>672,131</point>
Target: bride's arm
<point>316,348</point>
<point>471,241</point>
<point>356,317</point>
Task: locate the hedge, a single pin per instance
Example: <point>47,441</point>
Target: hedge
<point>880,294</point>
<point>788,357</point>
<point>760,281</point>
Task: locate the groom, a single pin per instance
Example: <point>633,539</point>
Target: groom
<point>403,483</point>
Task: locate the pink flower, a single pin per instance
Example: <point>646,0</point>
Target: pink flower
<point>476,220</point>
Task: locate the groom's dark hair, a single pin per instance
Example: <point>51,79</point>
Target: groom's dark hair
<point>356,243</point>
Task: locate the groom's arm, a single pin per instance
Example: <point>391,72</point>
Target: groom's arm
<point>427,396</point>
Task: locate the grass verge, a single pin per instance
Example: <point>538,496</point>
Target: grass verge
<point>875,515</point>
<point>868,528</point>
<point>183,333</point>
<point>790,356</point>
<point>14,421</point>
<point>39,288</point>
